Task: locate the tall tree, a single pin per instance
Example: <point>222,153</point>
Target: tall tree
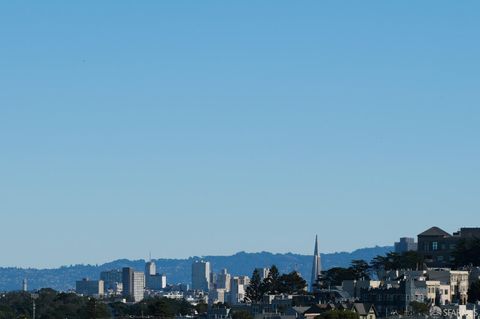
<point>360,269</point>
<point>474,292</point>
<point>254,291</point>
<point>270,284</point>
<point>291,283</point>
<point>467,252</point>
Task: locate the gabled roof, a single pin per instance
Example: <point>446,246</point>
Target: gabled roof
<point>363,308</point>
<point>435,231</point>
<point>300,310</point>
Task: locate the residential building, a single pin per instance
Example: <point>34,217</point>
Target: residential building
<point>437,246</point>
<point>354,287</point>
<point>457,280</point>
<point>364,310</point>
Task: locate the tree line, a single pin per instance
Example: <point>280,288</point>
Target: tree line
<point>51,304</point>
<point>274,283</point>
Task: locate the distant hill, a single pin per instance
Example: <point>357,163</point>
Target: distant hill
<point>179,270</point>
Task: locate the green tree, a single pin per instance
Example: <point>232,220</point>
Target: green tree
<point>410,260</point>
<point>360,269</point>
<point>335,276</point>
<point>467,252</point>
<point>270,284</point>
<point>419,308</point>
<point>254,292</point>
<point>201,307</point>
<point>291,283</point>
<point>474,292</point>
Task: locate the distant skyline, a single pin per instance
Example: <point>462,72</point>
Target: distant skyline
<point>208,127</point>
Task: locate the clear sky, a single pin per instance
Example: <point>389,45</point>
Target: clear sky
<point>209,127</point>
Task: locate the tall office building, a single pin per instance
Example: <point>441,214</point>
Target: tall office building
<point>127,277</point>
<point>405,244</point>
<point>317,265</point>
<point>238,289</point>
<point>201,275</point>
<point>87,287</point>
<point>150,268</point>
<point>133,284</point>
<point>138,286</point>
<point>263,272</point>
<point>223,280</point>
<point>112,280</point>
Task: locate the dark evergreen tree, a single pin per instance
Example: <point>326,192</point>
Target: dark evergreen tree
<point>360,269</point>
<point>467,252</point>
<point>270,284</point>
<point>291,283</point>
<point>254,292</point>
<point>474,292</point>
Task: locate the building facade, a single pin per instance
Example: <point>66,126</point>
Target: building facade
<point>86,287</point>
<point>201,275</point>
<point>405,244</point>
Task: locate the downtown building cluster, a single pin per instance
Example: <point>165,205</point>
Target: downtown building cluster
<point>386,293</point>
<point>127,284</point>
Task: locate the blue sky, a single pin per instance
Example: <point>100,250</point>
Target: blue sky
<point>209,127</point>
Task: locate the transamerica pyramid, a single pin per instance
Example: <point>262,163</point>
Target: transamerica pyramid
<point>317,265</point>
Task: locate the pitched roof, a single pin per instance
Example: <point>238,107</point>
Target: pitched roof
<point>363,308</point>
<point>435,231</point>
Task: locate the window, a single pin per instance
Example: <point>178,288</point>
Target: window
<point>435,245</point>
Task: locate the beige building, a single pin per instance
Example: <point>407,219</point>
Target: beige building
<point>457,280</point>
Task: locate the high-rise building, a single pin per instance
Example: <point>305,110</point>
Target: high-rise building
<point>112,279</point>
<point>127,277</point>
<point>405,244</point>
<point>263,272</point>
<point>88,287</point>
<point>133,284</point>
<point>317,265</point>
<point>25,284</point>
<point>150,268</point>
<point>223,280</point>
<point>156,282</point>
<point>138,285</point>
<point>201,275</point>
<point>238,289</point>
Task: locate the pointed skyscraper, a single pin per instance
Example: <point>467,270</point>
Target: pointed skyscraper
<point>317,265</point>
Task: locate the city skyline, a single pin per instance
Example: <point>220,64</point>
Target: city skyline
<point>207,128</point>
<point>316,255</point>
